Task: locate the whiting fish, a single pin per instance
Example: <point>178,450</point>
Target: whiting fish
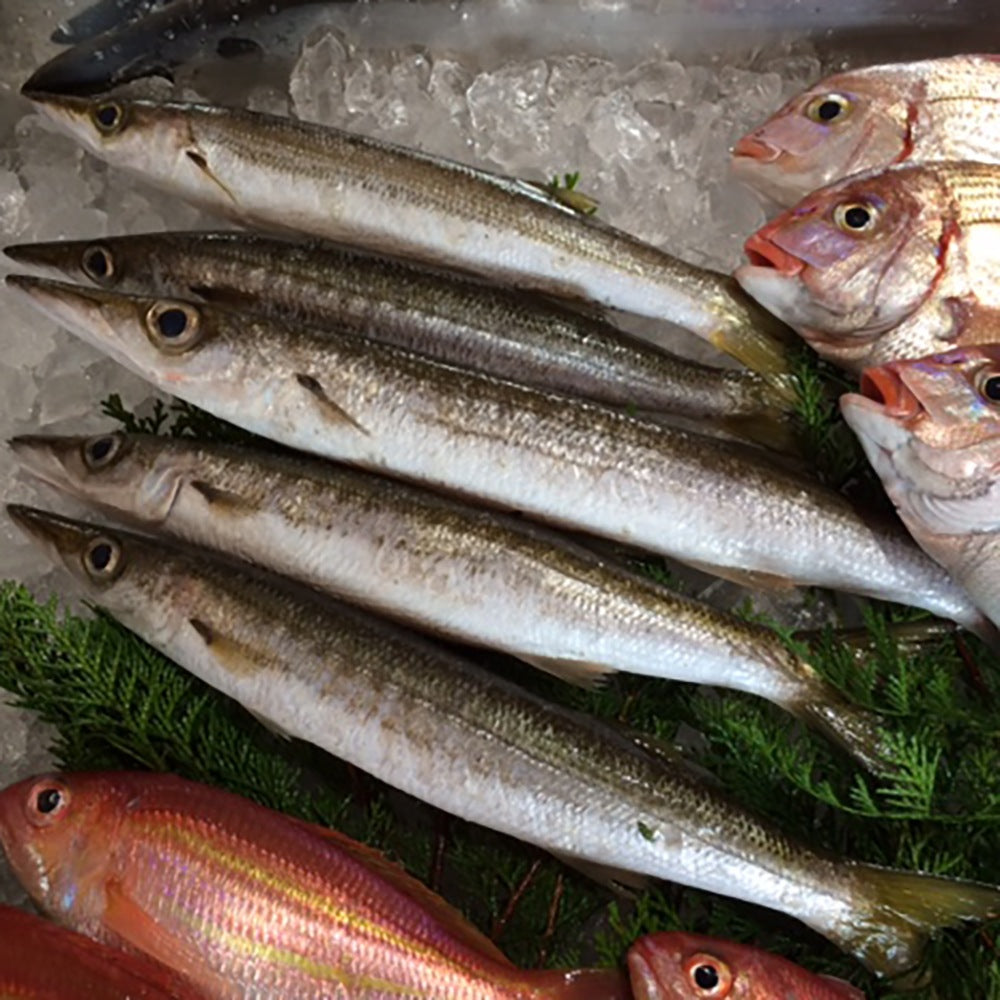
<point>566,461</point>
<point>507,333</point>
<point>463,573</point>
<point>279,172</point>
<point>481,748</point>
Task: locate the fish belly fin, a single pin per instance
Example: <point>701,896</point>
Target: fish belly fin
<point>901,912</point>
<point>446,914</point>
<point>579,672</point>
<point>618,880</point>
<point>331,410</point>
<point>580,984</point>
<point>848,990</point>
<point>129,922</point>
<point>752,578</point>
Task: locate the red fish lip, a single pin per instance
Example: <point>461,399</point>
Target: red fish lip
<point>884,386</point>
<point>761,252</point>
<point>756,149</point>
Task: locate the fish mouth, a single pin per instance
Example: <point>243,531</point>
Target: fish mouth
<point>885,386</point>
<point>750,148</point>
<point>641,974</point>
<point>762,252</point>
<point>57,534</point>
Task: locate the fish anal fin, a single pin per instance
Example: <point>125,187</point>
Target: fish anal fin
<point>231,654</point>
<point>331,409</point>
<point>752,578</point>
<point>453,921</point>
<point>580,984</point>
<point>220,500</point>
<point>130,923</point>
<point>618,880</point>
<point>579,672</point>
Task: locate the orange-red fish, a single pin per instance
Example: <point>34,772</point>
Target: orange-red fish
<point>249,904</point>
<point>677,966</point>
<point>40,960</point>
<point>867,119</point>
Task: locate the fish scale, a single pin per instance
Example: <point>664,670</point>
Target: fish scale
<point>475,745</point>
<point>379,196</point>
<point>565,461</point>
<point>502,331</point>
<point>462,573</point>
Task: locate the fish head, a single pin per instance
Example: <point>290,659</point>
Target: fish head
<point>95,261</point>
<point>931,429</point>
<point>680,966</point>
<point>135,475</point>
<point>132,577</point>
<point>853,260</point>
<point>56,830</point>
<point>169,342</point>
<point>844,125</point>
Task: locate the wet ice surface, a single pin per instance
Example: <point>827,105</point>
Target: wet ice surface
<point>646,124</point>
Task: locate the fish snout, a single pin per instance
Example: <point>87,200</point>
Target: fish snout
<point>761,251</point>
<point>884,386</point>
<point>751,147</point>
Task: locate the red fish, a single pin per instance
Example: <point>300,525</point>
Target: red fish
<point>867,119</point>
<point>42,961</point>
<point>898,264</point>
<point>249,904</point>
<point>676,966</point>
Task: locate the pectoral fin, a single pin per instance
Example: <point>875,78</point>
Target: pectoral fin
<point>331,410</point>
<point>231,654</point>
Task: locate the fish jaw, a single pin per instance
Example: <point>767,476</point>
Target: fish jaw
<point>113,471</point>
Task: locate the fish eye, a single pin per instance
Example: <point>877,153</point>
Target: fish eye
<point>989,387</point>
<point>101,451</point>
<point>108,118</point>
<point>173,327</point>
<point>710,977</point>
<point>102,559</point>
<point>855,217</point>
<point>47,800</point>
<point>828,108</point>
<point>98,264</point>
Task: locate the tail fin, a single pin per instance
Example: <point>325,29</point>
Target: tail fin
<point>853,729</point>
<point>580,984</point>
<point>904,909</point>
<point>755,348</point>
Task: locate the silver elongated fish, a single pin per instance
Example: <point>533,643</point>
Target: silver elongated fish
<point>463,573</point>
<point>481,748</point>
<point>283,173</point>
<point>508,333</point>
<point>566,461</point>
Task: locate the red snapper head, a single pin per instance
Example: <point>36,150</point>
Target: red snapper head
<point>853,260</point>
<point>844,125</point>
<point>57,831</point>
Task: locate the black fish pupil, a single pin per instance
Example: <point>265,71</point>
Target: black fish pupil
<point>828,110</point>
<point>991,388</point>
<point>857,217</point>
<point>108,115</point>
<point>172,323</point>
<point>48,800</point>
<point>100,449</point>
<point>706,977</point>
<point>100,556</point>
<point>98,264</point>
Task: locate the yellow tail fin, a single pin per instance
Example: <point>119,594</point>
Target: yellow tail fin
<point>904,909</point>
